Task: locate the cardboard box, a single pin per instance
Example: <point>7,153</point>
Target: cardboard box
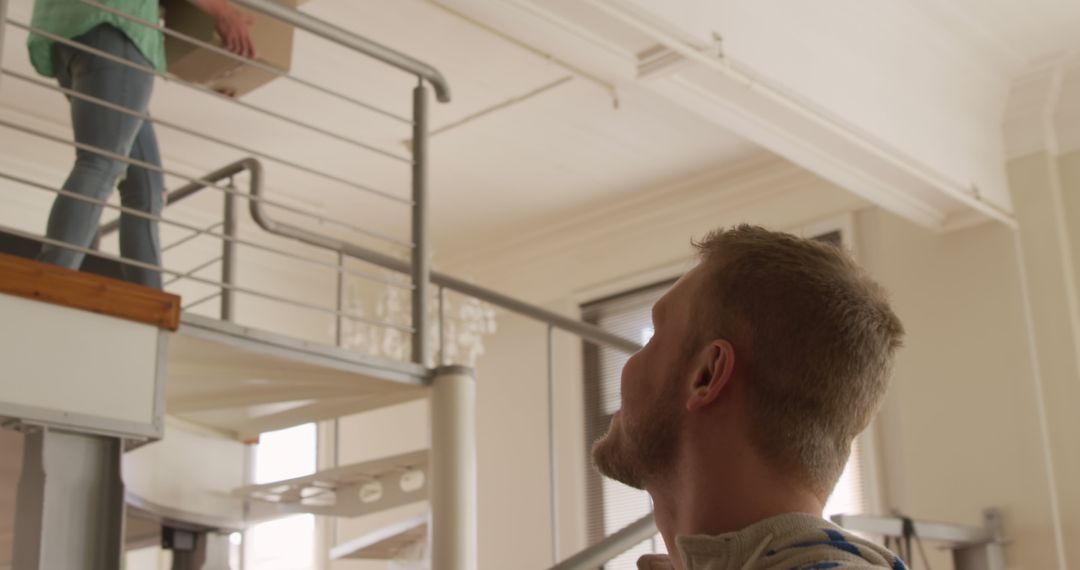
<point>272,38</point>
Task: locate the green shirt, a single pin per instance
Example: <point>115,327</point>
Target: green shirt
<point>72,18</point>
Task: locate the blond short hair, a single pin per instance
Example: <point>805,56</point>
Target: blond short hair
<point>814,337</point>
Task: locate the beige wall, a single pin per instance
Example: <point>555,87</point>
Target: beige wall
<point>631,243</point>
<point>959,430</point>
<point>1042,191</point>
<point>1069,169</point>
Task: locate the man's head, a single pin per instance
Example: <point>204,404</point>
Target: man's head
<point>787,334</point>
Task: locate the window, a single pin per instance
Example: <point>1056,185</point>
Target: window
<point>612,505</point>
<point>287,543</point>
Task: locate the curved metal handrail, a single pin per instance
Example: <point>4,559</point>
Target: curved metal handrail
<point>173,196</point>
<point>348,39</point>
<point>585,330</point>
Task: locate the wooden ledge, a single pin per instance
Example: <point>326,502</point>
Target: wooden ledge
<point>58,285</point>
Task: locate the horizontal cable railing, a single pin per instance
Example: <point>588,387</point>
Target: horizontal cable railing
<point>247,61</point>
<point>341,36</point>
<point>195,133</point>
<point>206,90</point>
<point>611,546</point>
<point>586,331</point>
<point>197,231</point>
<point>208,184</point>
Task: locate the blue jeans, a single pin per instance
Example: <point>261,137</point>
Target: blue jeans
<point>74,221</point>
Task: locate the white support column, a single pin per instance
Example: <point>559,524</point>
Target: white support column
<point>69,512</point>
<point>453,469</point>
<point>216,548</point>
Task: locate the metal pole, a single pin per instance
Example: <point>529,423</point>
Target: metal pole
<point>338,333</point>
<point>453,469</point>
<point>69,509</point>
<point>442,327</point>
<point>341,36</point>
<point>174,196</point>
<point>228,258</point>
<point>612,546</point>
<point>420,253</point>
<point>591,333</point>
<point>552,458</point>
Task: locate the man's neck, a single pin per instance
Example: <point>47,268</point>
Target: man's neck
<point>717,499</point>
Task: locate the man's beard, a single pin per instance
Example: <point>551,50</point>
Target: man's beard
<point>639,450</point>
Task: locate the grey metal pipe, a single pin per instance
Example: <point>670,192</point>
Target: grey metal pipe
<point>586,331</point>
<point>228,252</point>
<point>348,39</point>
<point>190,237</point>
<point>610,547</point>
<point>441,361</point>
<point>71,93</point>
<point>339,332</point>
<point>553,459</point>
<point>203,89</point>
<point>146,165</point>
<point>198,231</point>
<point>421,255</point>
<point>246,61</point>
<point>190,188</point>
<point>193,271</point>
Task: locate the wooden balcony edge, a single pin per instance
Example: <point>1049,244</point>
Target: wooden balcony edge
<point>103,295</point>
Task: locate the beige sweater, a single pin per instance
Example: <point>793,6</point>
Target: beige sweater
<point>795,541</point>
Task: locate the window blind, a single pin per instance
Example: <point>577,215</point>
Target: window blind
<point>612,505</point>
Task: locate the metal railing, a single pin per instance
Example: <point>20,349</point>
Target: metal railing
<point>418,246</point>
<point>225,287</point>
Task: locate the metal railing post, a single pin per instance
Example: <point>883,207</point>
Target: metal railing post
<point>442,327</point>
<point>228,257</point>
<point>341,36</point>
<point>339,334</point>
<point>552,459</point>
<point>420,255</point>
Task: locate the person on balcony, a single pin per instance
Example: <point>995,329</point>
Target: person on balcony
<point>107,130</point>
<point>738,416</point>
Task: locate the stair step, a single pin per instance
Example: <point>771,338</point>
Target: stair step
<point>348,491</point>
<point>245,381</point>
<point>387,543</point>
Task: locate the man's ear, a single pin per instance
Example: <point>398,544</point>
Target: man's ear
<point>711,378</point>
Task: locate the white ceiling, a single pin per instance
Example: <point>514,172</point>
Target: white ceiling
<point>509,169</point>
<point>533,139</point>
<point>1020,34</point>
